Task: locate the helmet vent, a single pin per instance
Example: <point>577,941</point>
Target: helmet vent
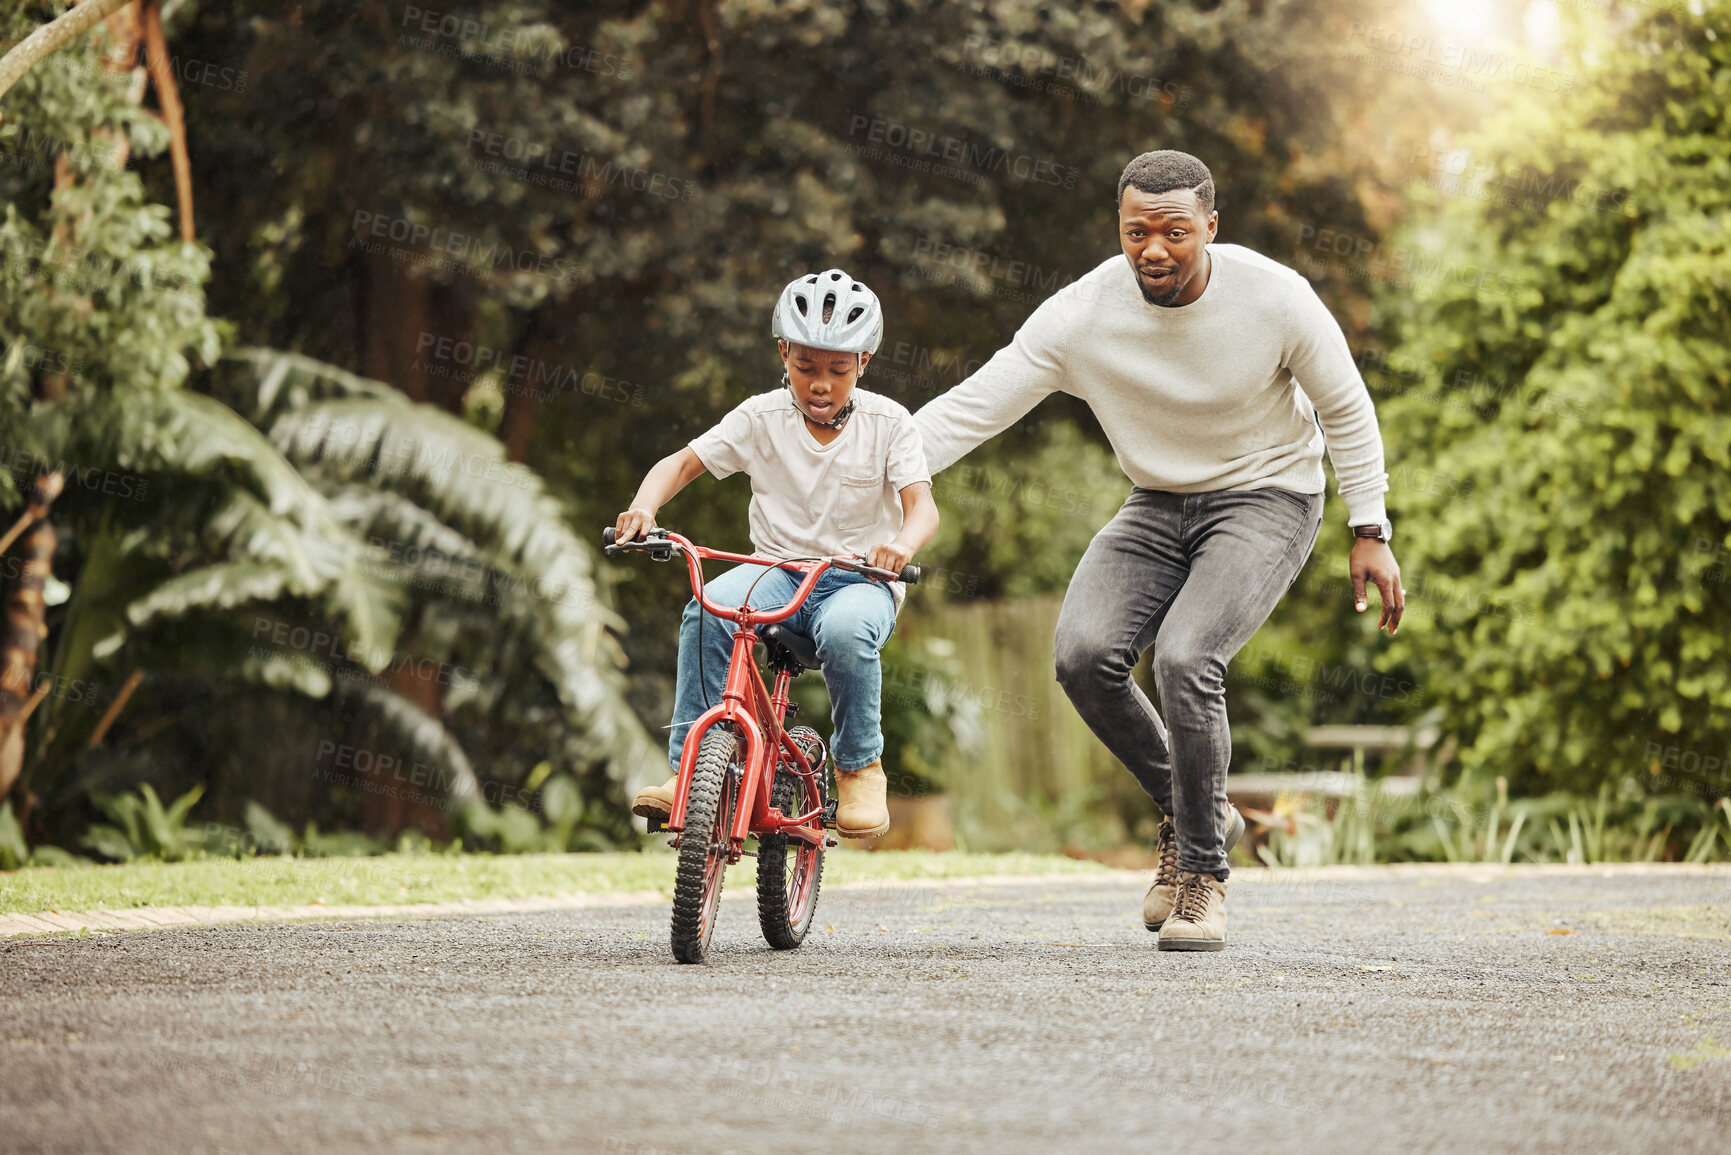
<point>828,305</point>
<point>804,309</point>
<point>855,314</point>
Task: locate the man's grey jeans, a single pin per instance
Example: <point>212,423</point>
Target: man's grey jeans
<point>1195,575</point>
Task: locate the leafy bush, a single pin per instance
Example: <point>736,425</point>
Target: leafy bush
<point>144,828</point>
<point>1571,577</point>
<point>15,852</point>
<point>560,820</point>
<point>266,834</point>
<point>1474,822</point>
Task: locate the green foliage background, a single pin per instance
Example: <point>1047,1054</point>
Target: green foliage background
<point>1578,595</point>
<point>607,197</point>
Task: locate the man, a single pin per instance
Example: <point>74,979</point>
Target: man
<point>1215,373</point>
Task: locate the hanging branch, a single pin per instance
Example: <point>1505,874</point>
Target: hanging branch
<point>114,708</point>
<point>42,495</point>
<point>711,75</point>
<point>52,37</point>
<point>168,93</point>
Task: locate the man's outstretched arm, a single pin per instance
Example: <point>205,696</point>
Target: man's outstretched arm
<point>1017,378</point>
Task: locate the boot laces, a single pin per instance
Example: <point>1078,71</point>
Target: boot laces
<point>1194,894</point>
<point>1166,845</point>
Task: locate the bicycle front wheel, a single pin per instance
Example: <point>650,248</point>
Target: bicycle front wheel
<point>703,845</point>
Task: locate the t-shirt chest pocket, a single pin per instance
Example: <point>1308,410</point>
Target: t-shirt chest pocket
<point>858,502</point>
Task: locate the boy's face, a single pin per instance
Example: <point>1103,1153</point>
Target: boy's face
<point>822,379</point>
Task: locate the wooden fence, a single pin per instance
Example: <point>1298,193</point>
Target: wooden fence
<point>1029,775</point>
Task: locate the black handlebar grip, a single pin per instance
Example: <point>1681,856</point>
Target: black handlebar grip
<point>911,574</point>
<point>607,536</point>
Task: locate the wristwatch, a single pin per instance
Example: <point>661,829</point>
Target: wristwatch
<point>1382,531</point>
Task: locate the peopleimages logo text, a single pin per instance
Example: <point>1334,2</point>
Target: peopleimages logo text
<point>528,160</point>
<point>961,151</point>
<point>462,248</point>
<point>531,43</point>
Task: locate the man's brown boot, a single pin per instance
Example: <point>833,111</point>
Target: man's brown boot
<point>1198,919</point>
<point>862,807</point>
<point>655,801</point>
<point>1157,906</point>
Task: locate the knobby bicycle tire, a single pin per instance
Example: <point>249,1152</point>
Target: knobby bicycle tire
<point>697,887</point>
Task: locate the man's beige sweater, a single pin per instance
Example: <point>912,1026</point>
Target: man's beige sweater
<point>1223,393</point>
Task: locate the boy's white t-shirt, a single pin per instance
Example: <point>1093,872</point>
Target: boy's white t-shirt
<point>811,500</point>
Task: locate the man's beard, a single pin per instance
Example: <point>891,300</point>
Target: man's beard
<point>1163,299</point>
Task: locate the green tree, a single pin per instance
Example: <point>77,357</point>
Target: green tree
<point>1574,605</point>
<point>180,546</point>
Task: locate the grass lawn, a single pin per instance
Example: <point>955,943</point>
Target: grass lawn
<point>407,878</point>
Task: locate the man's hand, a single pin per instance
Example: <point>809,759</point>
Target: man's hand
<point>894,556</point>
<point>1373,559</point>
<point>633,523</point>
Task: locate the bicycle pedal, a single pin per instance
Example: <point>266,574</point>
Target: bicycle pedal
<point>655,826</point>
<point>829,814</point>
<point>830,844</point>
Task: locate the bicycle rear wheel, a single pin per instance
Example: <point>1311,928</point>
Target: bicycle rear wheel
<point>787,884</point>
<point>703,845</point>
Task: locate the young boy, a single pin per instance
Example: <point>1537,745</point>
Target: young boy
<point>834,470</point>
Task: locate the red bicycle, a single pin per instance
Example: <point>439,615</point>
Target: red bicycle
<point>742,773</point>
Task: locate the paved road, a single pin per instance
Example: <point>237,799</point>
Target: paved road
<point>1365,1012</point>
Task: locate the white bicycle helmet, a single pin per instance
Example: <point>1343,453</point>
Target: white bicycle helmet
<point>856,320</point>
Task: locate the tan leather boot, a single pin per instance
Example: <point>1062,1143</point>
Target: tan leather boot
<point>862,809</point>
<point>1157,906</point>
<point>655,801</point>
<point>1198,919</point>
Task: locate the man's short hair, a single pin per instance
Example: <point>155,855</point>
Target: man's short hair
<point>1165,170</point>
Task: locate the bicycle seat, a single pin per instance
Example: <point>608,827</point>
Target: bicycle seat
<point>796,651</point>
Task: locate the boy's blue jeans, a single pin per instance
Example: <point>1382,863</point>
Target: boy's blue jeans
<point>850,617</point>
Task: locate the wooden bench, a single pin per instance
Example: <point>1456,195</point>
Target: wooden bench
<point>1259,789</point>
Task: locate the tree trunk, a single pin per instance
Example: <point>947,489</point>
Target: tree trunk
<point>413,333</point>
<point>27,571</point>
<point>401,798</point>
<point>522,397</point>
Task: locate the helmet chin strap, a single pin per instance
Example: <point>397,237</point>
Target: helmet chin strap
<point>835,422</point>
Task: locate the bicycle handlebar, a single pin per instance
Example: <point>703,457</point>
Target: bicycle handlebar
<point>660,547</point>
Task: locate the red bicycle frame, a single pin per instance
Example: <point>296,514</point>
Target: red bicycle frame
<point>753,710</point>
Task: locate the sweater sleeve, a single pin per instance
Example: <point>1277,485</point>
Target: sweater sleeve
<point>1000,393</point>
<point>907,459</point>
<point>1322,364</point>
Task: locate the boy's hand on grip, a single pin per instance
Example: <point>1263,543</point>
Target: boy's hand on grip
<point>894,556</point>
<point>633,524</point>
